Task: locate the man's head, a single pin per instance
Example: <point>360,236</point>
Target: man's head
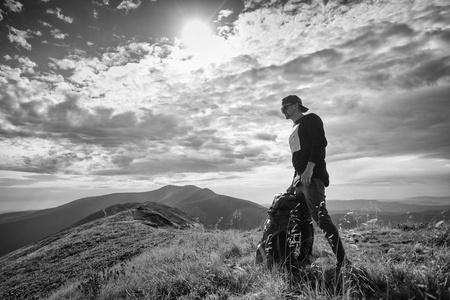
<point>291,105</point>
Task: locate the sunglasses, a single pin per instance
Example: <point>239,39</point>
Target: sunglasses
<point>284,107</point>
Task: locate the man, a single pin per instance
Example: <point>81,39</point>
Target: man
<point>307,142</point>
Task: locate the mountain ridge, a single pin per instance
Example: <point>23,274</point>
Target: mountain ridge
<point>418,200</point>
<point>384,206</point>
<point>20,229</point>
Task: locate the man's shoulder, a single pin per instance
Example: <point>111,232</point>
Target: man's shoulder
<point>312,117</point>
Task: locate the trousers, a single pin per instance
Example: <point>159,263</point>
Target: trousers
<point>315,199</point>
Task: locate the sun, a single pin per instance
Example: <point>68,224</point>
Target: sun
<point>196,34</point>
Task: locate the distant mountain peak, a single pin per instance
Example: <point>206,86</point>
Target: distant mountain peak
<point>213,210</point>
<point>180,187</point>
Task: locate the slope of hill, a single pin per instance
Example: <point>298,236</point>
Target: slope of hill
<point>222,211</point>
<point>30,272</point>
<point>12,216</point>
<point>20,229</point>
<point>109,211</point>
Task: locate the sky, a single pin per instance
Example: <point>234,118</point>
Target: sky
<point>104,96</point>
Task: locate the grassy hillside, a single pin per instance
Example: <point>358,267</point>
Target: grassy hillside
<point>32,271</point>
<point>122,257</point>
<point>109,211</point>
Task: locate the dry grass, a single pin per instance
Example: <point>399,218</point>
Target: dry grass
<point>388,263</point>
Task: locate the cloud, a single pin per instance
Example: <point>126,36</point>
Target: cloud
<point>45,24</point>
<point>173,163</point>
<point>266,136</point>
<point>427,72</point>
<point>101,126</point>
<point>68,123</point>
<point>57,12</point>
<point>104,2</point>
<point>14,6</point>
<point>256,4</point>
<point>20,37</point>
<point>26,65</point>
<point>128,5</point>
<point>360,76</point>
<point>57,34</point>
<point>224,13</point>
<point>147,131</point>
<point>387,123</point>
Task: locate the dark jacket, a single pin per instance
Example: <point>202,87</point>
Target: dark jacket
<point>307,143</point>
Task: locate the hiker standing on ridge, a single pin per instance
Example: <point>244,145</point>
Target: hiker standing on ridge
<point>307,142</point>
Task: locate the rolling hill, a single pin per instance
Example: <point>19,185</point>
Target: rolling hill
<point>20,229</point>
<point>32,271</point>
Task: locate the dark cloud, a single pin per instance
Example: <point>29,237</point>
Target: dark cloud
<point>199,139</point>
<point>173,164</point>
<point>46,163</point>
<point>266,136</point>
<point>377,39</point>
<point>414,123</point>
<point>214,154</point>
<point>100,126</point>
<point>314,64</point>
<point>426,72</point>
<point>419,122</point>
<point>122,160</point>
<point>393,31</point>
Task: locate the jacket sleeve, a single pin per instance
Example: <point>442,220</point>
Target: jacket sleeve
<point>318,139</point>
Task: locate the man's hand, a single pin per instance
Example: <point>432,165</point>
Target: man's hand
<point>307,175</point>
<point>291,190</point>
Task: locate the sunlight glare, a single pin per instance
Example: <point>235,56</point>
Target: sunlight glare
<point>196,34</point>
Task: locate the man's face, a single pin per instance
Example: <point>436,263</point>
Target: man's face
<point>286,110</point>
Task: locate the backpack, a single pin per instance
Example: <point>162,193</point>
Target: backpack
<point>288,234</point>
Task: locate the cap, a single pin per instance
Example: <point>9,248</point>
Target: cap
<point>292,99</point>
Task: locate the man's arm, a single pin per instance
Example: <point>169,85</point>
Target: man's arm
<point>307,174</point>
<point>291,188</point>
<point>318,144</point>
<point>318,140</point>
